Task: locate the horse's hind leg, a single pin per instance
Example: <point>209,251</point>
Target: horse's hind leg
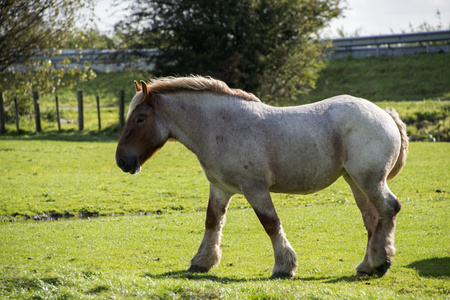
<point>370,219</point>
<point>259,198</point>
<point>380,250</point>
<point>381,246</point>
<point>209,252</point>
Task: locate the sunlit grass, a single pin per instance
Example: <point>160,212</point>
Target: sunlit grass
<point>392,78</point>
<point>63,176</point>
<point>146,256</point>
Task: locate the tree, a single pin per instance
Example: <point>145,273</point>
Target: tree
<point>32,28</point>
<point>90,38</point>
<point>28,27</point>
<point>269,47</point>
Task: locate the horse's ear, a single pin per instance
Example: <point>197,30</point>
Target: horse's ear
<point>145,89</point>
<point>147,94</point>
<point>137,86</point>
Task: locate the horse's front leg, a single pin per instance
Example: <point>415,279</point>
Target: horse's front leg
<point>209,253</point>
<point>259,198</point>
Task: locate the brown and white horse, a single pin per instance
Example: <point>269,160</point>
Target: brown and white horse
<point>250,148</point>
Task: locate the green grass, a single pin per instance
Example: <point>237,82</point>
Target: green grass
<point>399,78</point>
<point>425,120</point>
<point>68,177</point>
<point>131,256</point>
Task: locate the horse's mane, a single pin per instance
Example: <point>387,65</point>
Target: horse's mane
<point>168,85</point>
<point>197,83</point>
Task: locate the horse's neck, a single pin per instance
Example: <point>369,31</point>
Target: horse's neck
<point>191,116</point>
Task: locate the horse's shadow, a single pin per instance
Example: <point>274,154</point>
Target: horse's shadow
<point>432,267</point>
<point>333,279</point>
<point>205,276</point>
<point>183,274</point>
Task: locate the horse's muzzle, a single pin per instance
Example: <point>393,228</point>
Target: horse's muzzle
<point>129,164</point>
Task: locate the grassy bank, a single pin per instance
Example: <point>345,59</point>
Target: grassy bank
<point>399,78</point>
<point>146,256</point>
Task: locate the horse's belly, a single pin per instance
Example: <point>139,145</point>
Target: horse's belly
<point>310,167</point>
<point>301,184</point>
<point>287,180</point>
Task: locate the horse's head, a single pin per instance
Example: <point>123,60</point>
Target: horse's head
<point>145,131</point>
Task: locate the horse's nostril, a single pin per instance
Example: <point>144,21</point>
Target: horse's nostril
<point>121,163</point>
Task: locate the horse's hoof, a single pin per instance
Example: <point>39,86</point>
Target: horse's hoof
<point>382,270</point>
<point>362,274</point>
<point>197,269</point>
<point>281,276</point>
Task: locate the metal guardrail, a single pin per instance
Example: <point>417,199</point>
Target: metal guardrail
<point>392,45</point>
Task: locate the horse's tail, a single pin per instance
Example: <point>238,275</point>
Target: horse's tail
<point>401,160</point>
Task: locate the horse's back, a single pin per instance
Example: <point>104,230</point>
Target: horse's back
<point>353,120</point>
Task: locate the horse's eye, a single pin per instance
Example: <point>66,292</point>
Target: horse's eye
<point>140,121</point>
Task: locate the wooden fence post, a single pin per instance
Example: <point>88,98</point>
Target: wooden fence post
<point>37,113</point>
<point>16,108</point>
<point>80,111</point>
<point>122,109</point>
<point>2,115</point>
<point>57,112</point>
<point>98,114</point>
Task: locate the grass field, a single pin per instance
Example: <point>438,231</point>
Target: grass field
<point>132,256</point>
<point>386,78</point>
